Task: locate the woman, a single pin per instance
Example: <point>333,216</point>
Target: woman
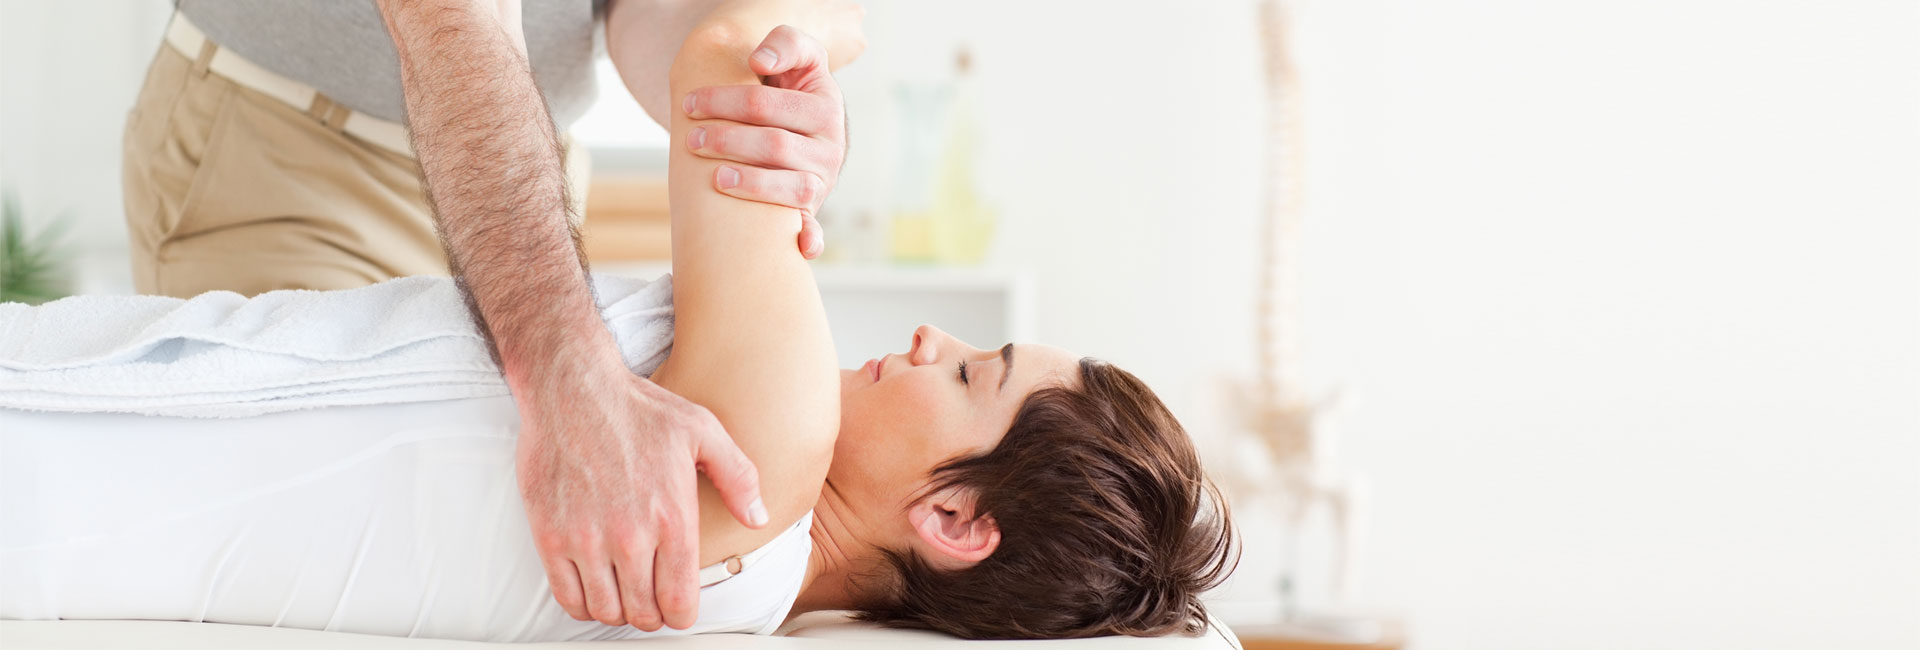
<point>1017,492</point>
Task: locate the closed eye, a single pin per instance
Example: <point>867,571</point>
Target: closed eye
<point>963,374</point>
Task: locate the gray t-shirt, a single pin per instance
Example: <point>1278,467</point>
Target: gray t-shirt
<point>342,49</point>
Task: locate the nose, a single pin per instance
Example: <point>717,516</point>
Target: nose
<point>927,341</point>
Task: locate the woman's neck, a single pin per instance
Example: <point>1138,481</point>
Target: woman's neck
<point>838,550</point>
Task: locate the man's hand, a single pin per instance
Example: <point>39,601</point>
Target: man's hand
<point>611,497</point>
<point>791,136</point>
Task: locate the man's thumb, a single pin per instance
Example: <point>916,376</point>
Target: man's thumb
<point>735,477</point>
<point>812,241</point>
<point>791,57</point>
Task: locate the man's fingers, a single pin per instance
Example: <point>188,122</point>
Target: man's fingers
<point>603,593</point>
<point>634,563</point>
<point>813,240</point>
<point>764,146</point>
<point>675,576</point>
<point>733,475</point>
<point>779,108</point>
<point>799,190</point>
<point>565,582</point>
<point>794,58</point>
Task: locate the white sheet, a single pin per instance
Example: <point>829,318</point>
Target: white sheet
<point>400,519</point>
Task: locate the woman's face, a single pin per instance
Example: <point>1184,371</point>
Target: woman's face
<point>903,414</point>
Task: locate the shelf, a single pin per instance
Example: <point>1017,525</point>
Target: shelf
<point>874,309</point>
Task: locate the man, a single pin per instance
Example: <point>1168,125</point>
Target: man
<point>267,151</point>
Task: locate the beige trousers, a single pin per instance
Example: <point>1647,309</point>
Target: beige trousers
<point>229,188</point>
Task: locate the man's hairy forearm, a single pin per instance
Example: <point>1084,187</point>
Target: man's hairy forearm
<point>494,176</point>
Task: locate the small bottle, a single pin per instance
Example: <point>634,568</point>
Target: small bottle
<point>962,224</point>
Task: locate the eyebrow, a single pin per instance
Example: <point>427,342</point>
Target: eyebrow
<point>1006,356</point>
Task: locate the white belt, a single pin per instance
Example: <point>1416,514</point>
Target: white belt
<point>186,38</point>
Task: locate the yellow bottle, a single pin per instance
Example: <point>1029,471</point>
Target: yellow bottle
<point>953,226</point>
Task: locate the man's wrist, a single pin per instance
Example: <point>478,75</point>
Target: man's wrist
<point>557,358</point>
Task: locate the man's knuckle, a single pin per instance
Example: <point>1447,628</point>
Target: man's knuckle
<point>689,415</point>
<point>825,112</point>
<point>720,139</point>
<point>779,148</point>
<point>646,618</point>
<point>702,426</point>
<point>638,594</point>
<point>671,520</point>
<point>569,600</point>
<point>550,542</point>
<point>606,609</point>
<point>630,541</point>
<point>675,601</point>
<point>675,510</point>
<point>811,189</point>
<point>584,544</point>
<point>758,107</point>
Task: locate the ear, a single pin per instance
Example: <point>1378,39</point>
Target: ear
<point>948,523</point>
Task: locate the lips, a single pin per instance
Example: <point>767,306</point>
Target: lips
<point>873,369</point>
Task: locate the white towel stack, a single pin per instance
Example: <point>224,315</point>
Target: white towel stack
<point>219,354</point>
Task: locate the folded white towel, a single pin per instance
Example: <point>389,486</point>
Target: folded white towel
<point>219,354</point>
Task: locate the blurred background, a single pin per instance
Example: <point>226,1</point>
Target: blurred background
<point>1506,323</point>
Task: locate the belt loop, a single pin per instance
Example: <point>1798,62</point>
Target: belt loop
<point>337,116</point>
<point>320,107</point>
<point>207,50</point>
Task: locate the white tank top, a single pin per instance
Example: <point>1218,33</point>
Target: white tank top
<point>396,519</point>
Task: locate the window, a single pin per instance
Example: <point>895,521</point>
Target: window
<point>616,125</point>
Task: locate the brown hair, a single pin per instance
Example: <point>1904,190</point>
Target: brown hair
<point>1097,492</point>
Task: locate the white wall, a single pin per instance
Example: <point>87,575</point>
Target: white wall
<point>1626,294</point>
<point>69,72</point>
<point>1631,291</point>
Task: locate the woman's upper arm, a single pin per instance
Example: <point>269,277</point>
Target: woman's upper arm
<point>750,336</point>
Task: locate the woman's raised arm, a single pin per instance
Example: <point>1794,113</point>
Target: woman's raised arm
<point>750,339</point>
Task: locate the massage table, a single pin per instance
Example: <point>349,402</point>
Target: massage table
<point>811,631</point>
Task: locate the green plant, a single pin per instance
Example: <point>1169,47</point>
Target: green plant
<point>30,266</point>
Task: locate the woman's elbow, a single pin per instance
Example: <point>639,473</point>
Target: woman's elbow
<point>711,45</point>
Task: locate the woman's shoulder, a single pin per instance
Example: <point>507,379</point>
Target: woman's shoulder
<point>790,492</point>
<point>790,443</point>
